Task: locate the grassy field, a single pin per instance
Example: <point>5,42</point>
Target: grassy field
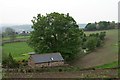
<point>103,55</point>
<point>18,50</point>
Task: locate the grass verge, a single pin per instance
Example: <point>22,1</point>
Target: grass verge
<point>110,65</point>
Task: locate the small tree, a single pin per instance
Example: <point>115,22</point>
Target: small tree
<point>104,25</point>
<point>56,33</point>
<point>8,61</point>
<point>10,33</point>
<point>91,43</point>
<point>98,40</point>
<point>90,27</point>
<point>4,59</point>
<point>112,25</point>
<point>102,35</point>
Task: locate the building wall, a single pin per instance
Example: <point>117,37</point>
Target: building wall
<point>48,64</point>
<point>31,63</point>
<point>42,65</point>
<point>59,63</point>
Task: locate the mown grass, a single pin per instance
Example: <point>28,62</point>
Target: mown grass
<point>17,50</point>
<point>110,65</point>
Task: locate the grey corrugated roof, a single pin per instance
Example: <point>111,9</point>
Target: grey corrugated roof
<point>39,58</point>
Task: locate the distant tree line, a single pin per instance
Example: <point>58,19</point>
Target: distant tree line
<point>12,34</point>
<point>102,25</point>
<point>9,32</point>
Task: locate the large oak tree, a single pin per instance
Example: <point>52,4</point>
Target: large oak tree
<point>56,32</point>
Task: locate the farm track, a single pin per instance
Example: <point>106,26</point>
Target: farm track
<point>99,73</point>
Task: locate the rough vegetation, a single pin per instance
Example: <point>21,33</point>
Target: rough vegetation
<point>105,54</point>
<point>93,40</point>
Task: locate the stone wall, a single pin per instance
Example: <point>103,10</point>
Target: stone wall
<point>59,63</point>
<point>31,63</point>
<point>47,64</point>
<point>50,64</point>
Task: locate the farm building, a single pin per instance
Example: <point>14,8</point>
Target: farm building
<point>46,60</point>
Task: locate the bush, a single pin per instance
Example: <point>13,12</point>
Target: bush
<point>94,40</point>
<point>91,43</point>
<point>9,62</point>
<point>102,35</point>
<point>60,70</point>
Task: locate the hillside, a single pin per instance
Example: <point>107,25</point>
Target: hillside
<point>103,55</point>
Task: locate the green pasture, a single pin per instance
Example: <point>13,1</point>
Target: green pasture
<point>19,50</point>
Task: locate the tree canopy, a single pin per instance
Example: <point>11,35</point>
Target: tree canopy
<point>56,32</point>
<point>10,33</point>
<point>102,25</point>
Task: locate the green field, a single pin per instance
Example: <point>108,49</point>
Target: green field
<point>19,50</point>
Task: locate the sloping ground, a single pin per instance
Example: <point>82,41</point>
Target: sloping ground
<point>100,73</point>
<point>103,55</point>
